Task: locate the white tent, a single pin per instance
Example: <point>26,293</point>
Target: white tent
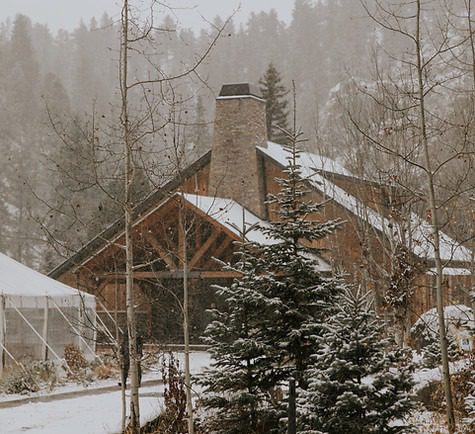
<point>39,316</point>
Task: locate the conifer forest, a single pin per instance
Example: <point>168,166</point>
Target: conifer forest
<point>270,224</point>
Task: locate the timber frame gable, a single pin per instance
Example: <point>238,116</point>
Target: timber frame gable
<point>181,226</point>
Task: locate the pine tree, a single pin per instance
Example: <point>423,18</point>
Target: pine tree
<point>277,113</point>
<point>272,315</point>
<point>22,133</point>
<point>74,186</point>
<point>356,384</point>
<point>237,389</point>
<point>465,388</point>
<point>299,297</point>
<point>425,335</point>
<point>200,134</point>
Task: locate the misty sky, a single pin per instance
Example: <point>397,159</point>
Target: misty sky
<point>67,13</point>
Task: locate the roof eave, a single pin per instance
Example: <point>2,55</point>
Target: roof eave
<point>150,202</point>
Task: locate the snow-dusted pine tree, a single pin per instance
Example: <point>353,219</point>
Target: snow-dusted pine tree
<point>273,314</point>
<point>238,394</point>
<point>299,298</point>
<point>357,384</point>
<point>469,421</point>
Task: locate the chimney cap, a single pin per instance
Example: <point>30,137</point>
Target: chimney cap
<point>240,89</point>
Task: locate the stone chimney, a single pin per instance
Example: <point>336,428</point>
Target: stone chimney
<point>240,125</point>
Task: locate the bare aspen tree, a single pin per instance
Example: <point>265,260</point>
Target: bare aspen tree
<point>186,321</point>
<point>130,144</point>
<point>129,262</point>
<point>420,76</point>
<point>434,221</point>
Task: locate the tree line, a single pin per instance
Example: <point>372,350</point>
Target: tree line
<point>60,90</point>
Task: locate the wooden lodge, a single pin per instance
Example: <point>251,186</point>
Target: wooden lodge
<point>199,214</point>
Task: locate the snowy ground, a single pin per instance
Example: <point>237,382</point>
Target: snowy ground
<point>91,414</point>
<point>84,415</point>
<point>101,413</point>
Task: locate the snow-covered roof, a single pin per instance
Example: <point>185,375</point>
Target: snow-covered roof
<point>421,244</point>
<point>455,313</point>
<point>450,249</point>
<point>17,279</point>
<point>238,219</point>
<point>231,215</point>
<point>307,159</point>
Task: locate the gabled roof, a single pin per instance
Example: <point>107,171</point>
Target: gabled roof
<point>150,202</point>
<point>420,231</point>
<point>17,279</point>
<point>225,212</point>
<point>230,214</point>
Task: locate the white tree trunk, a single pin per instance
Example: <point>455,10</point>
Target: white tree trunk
<point>129,262</point>
<point>435,229</point>
<point>186,329</point>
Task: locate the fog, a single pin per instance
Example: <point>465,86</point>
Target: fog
<point>59,95</point>
<point>66,14</point>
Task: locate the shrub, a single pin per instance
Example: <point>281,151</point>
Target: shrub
<point>21,381</point>
<point>75,359</point>
<point>172,418</point>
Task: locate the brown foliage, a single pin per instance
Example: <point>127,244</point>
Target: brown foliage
<point>462,386</point>
<point>172,420</point>
<point>74,358</point>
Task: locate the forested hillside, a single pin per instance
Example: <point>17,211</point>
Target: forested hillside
<point>60,95</point>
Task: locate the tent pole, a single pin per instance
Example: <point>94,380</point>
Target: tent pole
<point>2,334</point>
<point>44,352</point>
<point>106,330</point>
<point>4,349</point>
<point>109,315</point>
<point>94,339</point>
<point>76,331</point>
<point>39,336</point>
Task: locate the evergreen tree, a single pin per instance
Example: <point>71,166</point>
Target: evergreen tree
<point>299,298</point>
<point>200,135</point>
<point>74,185</point>
<point>237,388</point>
<point>21,139</point>
<point>277,113</point>
<point>426,336</point>
<point>356,383</point>
<point>272,315</point>
<point>465,389</point>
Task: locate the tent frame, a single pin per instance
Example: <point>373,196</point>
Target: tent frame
<point>47,349</point>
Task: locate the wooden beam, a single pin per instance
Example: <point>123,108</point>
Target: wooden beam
<point>177,274</point>
<point>198,231</point>
<point>222,247</point>
<point>220,274</point>
<point>214,223</point>
<point>164,255</point>
<point>204,248</point>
